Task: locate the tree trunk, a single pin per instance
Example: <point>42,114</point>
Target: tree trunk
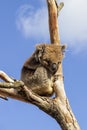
<point>62,111</point>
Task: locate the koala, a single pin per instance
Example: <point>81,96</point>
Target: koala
<point>38,70</point>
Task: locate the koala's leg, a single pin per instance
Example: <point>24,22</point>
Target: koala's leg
<point>42,79</point>
<point>39,82</point>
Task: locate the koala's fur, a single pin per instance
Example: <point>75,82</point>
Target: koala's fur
<point>38,70</point>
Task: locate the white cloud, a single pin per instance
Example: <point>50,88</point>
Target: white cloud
<point>72,22</point>
<point>33,23</point>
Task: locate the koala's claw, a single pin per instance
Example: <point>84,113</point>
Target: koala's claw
<point>55,78</point>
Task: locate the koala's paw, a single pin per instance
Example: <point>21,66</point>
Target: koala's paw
<point>55,78</point>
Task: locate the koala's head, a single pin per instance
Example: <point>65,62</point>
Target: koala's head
<point>50,56</point>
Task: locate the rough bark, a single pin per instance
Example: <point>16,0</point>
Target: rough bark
<point>65,116</point>
<point>57,107</point>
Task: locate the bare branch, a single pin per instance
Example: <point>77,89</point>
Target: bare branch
<point>58,107</point>
<point>5,77</point>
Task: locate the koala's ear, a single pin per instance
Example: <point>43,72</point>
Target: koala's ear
<point>63,47</point>
<point>40,47</point>
<point>39,52</point>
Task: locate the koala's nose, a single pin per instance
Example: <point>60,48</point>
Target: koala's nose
<point>54,67</point>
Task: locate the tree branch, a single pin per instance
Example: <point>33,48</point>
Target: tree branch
<point>58,107</point>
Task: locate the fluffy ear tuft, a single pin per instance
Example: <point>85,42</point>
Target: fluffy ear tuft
<point>63,47</point>
<point>39,51</point>
<point>40,47</point>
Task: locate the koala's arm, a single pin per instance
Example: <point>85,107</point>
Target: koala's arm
<point>27,75</point>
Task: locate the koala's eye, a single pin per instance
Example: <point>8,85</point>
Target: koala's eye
<point>54,67</point>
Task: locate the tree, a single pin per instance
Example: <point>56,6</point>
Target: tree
<point>57,107</point>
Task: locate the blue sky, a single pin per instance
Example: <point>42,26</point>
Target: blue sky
<point>24,24</point>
